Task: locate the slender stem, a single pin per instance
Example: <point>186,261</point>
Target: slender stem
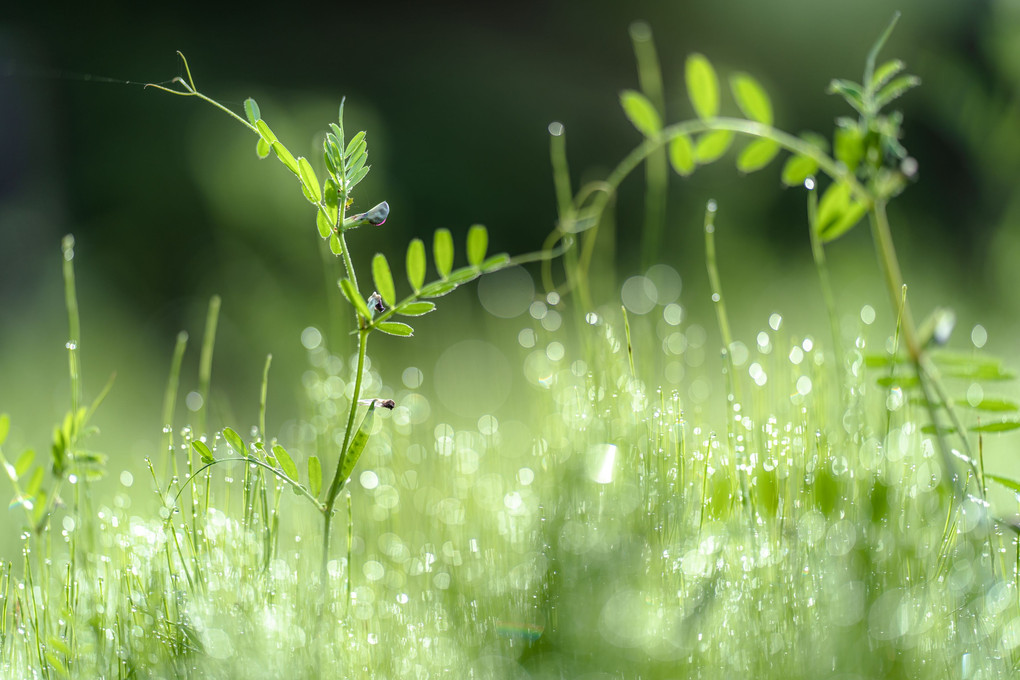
<point>893,278</point>
<point>337,483</point>
<point>717,298</point>
<point>170,398</point>
<point>74,326</point>
<point>795,145</point>
<point>205,359</point>
<point>298,488</point>
<point>656,168</point>
<point>818,253</point>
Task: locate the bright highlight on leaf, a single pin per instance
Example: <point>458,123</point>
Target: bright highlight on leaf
<point>354,297</point>
<point>681,155</point>
<point>751,98</point>
<point>641,113</point>
<point>286,462</point>
<point>477,244</point>
<point>314,475</point>
<point>262,148</point>
<point>711,145</point>
<point>395,328</point>
<point>309,180</point>
<point>350,457</point>
<point>264,131</point>
<point>797,169</point>
<point>251,110</point>
<point>756,155</point>
<point>416,264</point>
<point>702,86</point>
<point>383,279</point>
<point>286,157</point>
<point>234,441</point>
<point>837,212</point>
<point>203,451</point>
<point>416,308</point>
<point>442,252</point>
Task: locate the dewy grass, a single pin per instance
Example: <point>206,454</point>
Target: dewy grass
<point>609,528</point>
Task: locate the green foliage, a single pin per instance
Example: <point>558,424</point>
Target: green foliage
<point>681,155</point>
<point>346,164</point>
<point>641,113</point>
<point>702,86</point>
<point>751,98</point>
<point>636,526</point>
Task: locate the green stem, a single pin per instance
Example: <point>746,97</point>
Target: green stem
<point>205,359</point>
<point>657,167</point>
<point>300,490</point>
<point>793,144</point>
<point>337,483</point>
<point>893,278</point>
<point>818,253</point>
<point>74,326</point>
<point>170,399</point>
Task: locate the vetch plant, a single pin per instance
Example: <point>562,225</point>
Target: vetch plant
<point>346,164</point>
<point>865,167</point>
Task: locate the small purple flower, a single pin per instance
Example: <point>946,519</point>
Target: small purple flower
<point>376,304</point>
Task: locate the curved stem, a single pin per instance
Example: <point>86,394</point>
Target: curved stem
<point>791,143</point>
<point>253,461</point>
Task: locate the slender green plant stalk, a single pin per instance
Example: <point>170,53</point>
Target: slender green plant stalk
<point>656,167</point>
<point>74,325</point>
<point>337,483</point>
<point>818,255</point>
<point>205,359</point>
<point>170,400</point>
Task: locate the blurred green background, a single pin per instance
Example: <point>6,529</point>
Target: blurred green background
<point>170,206</point>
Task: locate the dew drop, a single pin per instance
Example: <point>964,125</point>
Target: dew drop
<point>979,336</point>
<point>311,337</point>
<point>193,401</point>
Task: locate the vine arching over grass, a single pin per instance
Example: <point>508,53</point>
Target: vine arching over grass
<point>868,167</point>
